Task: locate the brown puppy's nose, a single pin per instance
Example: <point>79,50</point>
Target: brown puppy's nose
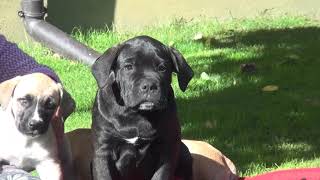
<point>35,124</point>
<point>148,86</point>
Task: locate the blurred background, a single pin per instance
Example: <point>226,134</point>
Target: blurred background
<point>128,14</point>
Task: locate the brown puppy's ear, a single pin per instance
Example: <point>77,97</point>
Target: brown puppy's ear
<point>182,69</point>
<point>6,91</point>
<point>102,67</point>
<point>67,103</point>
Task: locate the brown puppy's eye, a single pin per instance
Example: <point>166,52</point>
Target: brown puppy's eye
<point>162,68</point>
<point>50,104</point>
<point>128,67</point>
<point>24,102</point>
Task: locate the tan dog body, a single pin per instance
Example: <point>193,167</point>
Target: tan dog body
<point>30,149</point>
<point>82,151</point>
<point>208,162</point>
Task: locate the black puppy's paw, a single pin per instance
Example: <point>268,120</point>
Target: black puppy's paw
<point>126,163</point>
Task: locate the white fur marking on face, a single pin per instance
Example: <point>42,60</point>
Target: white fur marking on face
<point>36,115</point>
<point>132,140</point>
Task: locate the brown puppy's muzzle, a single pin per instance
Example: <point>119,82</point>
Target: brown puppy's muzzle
<point>36,125</point>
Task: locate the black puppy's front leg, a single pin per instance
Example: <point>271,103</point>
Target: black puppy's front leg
<point>164,172</point>
<point>102,168</point>
<point>168,161</point>
<point>184,163</point>
<point>126,163</point>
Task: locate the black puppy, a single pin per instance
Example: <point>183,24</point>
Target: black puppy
<point>136,132</point>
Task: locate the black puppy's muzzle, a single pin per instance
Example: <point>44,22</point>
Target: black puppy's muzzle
<point>150,93</point>
<point>149,87</point>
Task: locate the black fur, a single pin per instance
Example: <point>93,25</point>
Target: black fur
<point>135,99</point>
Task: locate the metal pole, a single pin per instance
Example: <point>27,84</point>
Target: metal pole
<point>33,12</point>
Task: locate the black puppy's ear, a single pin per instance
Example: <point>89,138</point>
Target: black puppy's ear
<point>182,69</point>
<point>102,67</point>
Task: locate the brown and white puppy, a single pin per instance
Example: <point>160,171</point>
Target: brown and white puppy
<point>31,126</point>
<point>208,162</point>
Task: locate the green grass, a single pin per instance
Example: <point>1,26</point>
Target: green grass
<point>259,131</point>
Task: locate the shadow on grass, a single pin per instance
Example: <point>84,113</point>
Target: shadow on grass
<point>251,126</point>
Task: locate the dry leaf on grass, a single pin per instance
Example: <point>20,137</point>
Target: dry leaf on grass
<point>204,76</point>
<point>210,124</point>
<point>171,43</point>
<point>270,88</point>
<point>198,36</point>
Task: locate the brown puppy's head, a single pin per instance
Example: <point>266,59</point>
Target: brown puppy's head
<point>141,70</point>
<point>32,100</point>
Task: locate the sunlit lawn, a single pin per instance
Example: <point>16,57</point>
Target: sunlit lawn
<point>259,131</point>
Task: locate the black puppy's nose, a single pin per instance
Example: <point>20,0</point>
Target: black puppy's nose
<point>35,124</point>
<point>148,86</point>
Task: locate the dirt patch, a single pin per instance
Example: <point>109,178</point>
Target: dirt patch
<point>10,23</point>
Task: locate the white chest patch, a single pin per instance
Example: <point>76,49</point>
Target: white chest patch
<point>132,140</point>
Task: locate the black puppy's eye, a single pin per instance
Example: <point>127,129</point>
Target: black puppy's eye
<point>50,104</point>
<point>162,68</point>
<point>128,67</point>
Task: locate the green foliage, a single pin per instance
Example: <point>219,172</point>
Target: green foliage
<point>259,131</point>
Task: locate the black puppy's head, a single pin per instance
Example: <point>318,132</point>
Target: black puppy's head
<point>139,70</point>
